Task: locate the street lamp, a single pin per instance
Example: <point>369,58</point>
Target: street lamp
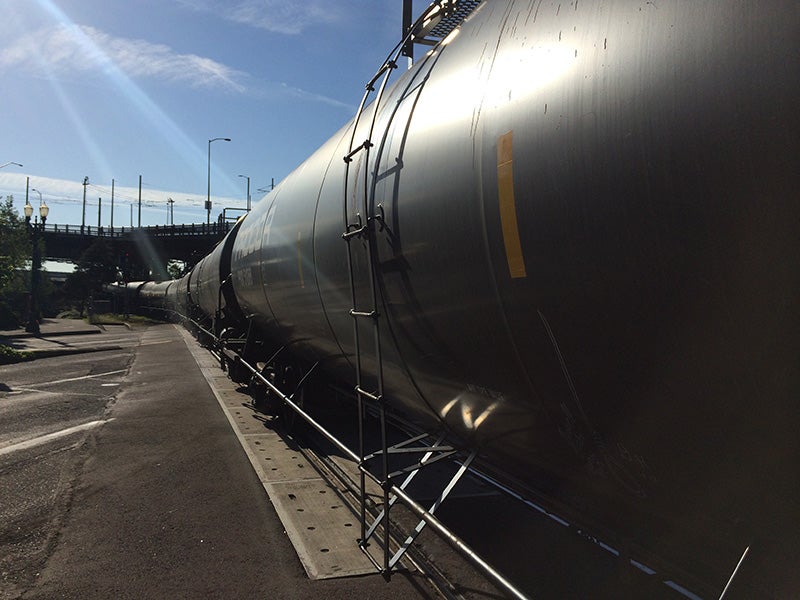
<point>10,163</point>
<point>248,191</point>
<point>36,261</point>
<point>208,198</point>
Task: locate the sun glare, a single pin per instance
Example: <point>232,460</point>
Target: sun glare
<point>118,80</point>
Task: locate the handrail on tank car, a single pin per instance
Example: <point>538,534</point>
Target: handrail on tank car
<point>448,536</point>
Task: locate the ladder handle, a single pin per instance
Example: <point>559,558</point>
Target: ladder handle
<point>389,64</point>
<point>366,144</point>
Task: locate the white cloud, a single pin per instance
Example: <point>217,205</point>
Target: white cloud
<point>313,97</point>
<point>281,16</point>
<point>65,49</point>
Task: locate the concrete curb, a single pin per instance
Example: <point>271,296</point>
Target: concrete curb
<point>63,351</point>
<point>30,355</point>
<point>25,334</point>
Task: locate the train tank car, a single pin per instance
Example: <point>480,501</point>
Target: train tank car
<point>579,221</point>
<point>209,285</point>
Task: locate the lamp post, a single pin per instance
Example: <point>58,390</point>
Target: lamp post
<point>10,163</point>
<point>208,197</point>
<point>83,214</point>
<point>170,214</point>
<point>36,261</point>
<point>248,191</point>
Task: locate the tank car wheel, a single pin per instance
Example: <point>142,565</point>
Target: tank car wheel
<point>262,398</point>
<point>290,377</point>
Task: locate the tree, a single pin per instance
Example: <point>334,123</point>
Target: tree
<point>15,244</point>
<point>15,251</point>
<point>176,269</point>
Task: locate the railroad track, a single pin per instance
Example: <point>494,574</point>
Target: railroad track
<point>539,547</point>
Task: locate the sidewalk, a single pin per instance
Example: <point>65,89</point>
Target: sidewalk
<point>49,341</point>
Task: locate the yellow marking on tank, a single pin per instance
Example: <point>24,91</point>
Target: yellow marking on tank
<point>300,260</point>
<point>508,208</point>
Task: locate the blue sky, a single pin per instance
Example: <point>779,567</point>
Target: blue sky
<point>114,89</point>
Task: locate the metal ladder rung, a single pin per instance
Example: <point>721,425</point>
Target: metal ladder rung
<point>372,314</point>
<point>354,233</point>
<point>349,157</point>
<point>389,64</point>
<point>368,395</point>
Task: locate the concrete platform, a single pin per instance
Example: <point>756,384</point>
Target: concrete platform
<point>319,523</point>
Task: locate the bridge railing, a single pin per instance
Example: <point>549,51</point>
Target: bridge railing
<point>191,229</point>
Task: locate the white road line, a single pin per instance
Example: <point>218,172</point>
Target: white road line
<point>79,378</point>
<point>95,359</point>
<point>58,393</point>
<point>50,437</point>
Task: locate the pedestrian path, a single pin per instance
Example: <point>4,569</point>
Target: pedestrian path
<point>57,337</point>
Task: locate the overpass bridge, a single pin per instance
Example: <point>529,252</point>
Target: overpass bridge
<point>138,251</point>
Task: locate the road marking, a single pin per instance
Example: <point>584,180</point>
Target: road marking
<point>43,439</point>
<point>83,377</point>
<point>156,342</point>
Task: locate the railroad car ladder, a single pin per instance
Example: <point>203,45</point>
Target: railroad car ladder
<point>363,231</point>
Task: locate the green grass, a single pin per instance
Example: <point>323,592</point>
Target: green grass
<point>9,356</point>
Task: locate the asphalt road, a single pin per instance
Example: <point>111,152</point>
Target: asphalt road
<point>48,407</point>
<point>121,478</point>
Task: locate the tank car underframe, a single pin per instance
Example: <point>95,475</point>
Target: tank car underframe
<point>248,360</point>
<point>414,446</point>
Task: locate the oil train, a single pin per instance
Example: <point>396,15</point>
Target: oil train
<point>574,230</point>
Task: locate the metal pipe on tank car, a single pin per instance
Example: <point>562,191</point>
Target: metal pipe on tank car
<point>447,535</point>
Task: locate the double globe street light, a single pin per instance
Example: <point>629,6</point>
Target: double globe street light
<point>36,260</point>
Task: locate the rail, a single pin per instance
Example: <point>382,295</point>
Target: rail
<point>442,530</point>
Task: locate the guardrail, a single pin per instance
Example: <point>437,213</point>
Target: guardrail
<point>192,229</point>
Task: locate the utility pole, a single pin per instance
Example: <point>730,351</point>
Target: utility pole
<point>112,207</point>
<point>99,210</point>
<point>140,200</point>
<point>83,215</point>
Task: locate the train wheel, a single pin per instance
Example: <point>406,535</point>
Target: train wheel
<point>261,397</point>
<point>290,378</point>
